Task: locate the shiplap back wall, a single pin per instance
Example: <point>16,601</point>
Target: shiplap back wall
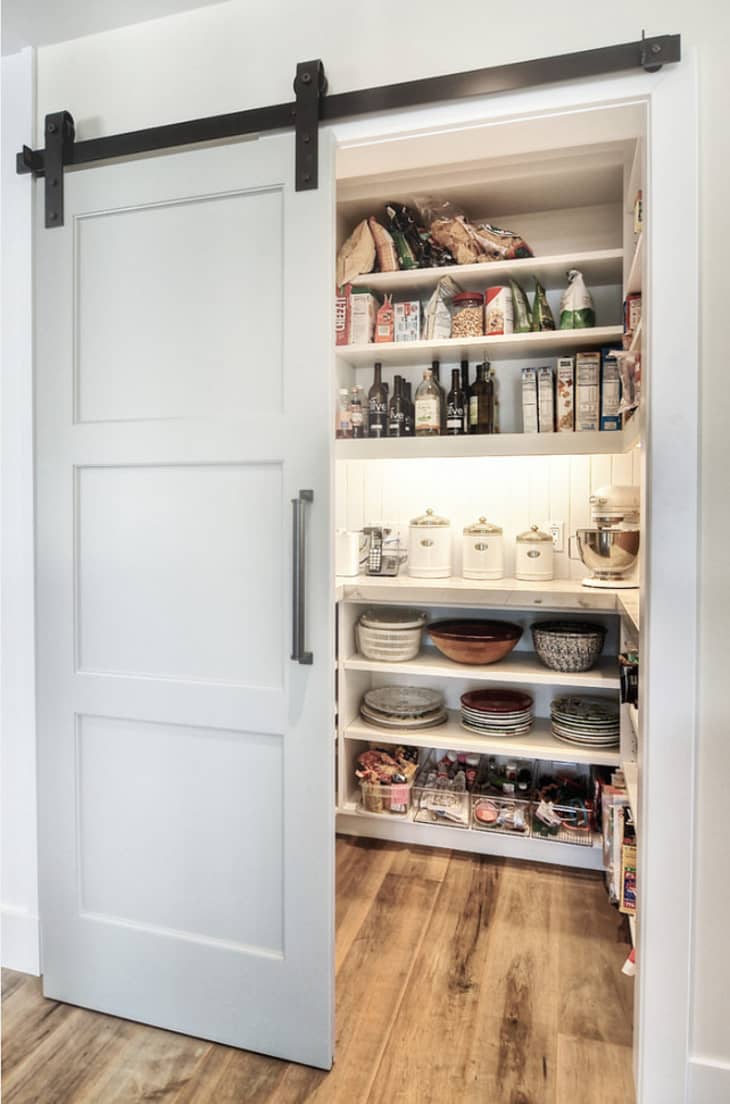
<point>512,491</point>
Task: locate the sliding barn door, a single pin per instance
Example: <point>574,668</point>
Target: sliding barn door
<point>183,350</point>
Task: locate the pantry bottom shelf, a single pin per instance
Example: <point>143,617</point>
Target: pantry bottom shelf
<point>352,822</point>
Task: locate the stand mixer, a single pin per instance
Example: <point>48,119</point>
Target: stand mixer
<point>611,549</point>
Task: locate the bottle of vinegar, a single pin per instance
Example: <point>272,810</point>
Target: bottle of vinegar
<point>408,409</point>
<point>396,411</point>
<point>455,406</point>
<point>428,407</point>
<point>378,405</point>
<point>481,410</point>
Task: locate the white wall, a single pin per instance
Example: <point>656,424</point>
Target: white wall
<point>18,889</point>
<point>239,55</point>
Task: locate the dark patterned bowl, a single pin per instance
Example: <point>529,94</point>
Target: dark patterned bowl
<point>568,645</point>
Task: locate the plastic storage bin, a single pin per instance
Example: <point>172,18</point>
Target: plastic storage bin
<point>393,800</point>
<point>506,815</point>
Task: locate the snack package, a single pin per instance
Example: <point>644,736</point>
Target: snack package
<point>520,309</point>
<point>629,367</point>
<point>500,245</point>
<point>408,321</point>
<point>437,316</point>
<point>384,321</point>
<point>576,304</point>
<point>342,315</point>
<point>406,236</point>
<point>449,228</point>
<point>384,247</point>
<point>357,255</point>
<point>363,309</point>
<point>542,316</point>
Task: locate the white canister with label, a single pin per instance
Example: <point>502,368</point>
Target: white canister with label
<point>429,547</point>
<point>482,551</point>
<point>534,555</point>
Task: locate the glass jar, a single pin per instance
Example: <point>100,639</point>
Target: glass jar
<point>467,319</point>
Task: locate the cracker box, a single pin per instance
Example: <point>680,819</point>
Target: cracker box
<point>610,391</point>
<point>342,315</point>
<point>565,395</point>
<point>587,391</point>
<point>627,900</point>
<point>529,400</point>
<point>363,309</point>
<point>407,321</point>
<point>546,400</point>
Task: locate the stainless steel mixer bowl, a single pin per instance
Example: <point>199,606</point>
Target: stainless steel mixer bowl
<point>608,553</point>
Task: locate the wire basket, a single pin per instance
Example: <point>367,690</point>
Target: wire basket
<point>572,824</point>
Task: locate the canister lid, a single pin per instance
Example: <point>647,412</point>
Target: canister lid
<point>481,526</point>
<point>430,520</point>
<point>386,617</point>
<point>533,535</point>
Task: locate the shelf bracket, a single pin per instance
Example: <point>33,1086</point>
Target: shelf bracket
<point>60,134</point>
<point>310,84</point>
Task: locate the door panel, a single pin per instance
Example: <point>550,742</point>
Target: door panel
<point>183,366</point>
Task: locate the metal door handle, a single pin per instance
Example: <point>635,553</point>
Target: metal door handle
<point>299,574</point>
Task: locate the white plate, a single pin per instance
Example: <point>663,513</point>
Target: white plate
<point>497,732</point>
<point>404,701</point>
<point>407,724</point>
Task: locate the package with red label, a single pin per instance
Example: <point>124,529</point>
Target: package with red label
<point>385,322</point>
<point>498,311</point>
<point>407,321</point>
<point>363,309</point>
<point>342,315</point>
<point>627,900</point>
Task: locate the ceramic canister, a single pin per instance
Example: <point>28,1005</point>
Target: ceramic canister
<point>429,547</point>
<point>534,555</point>
<point>482,551</point>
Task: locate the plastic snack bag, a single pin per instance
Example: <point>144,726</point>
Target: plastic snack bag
<point>576,304</point>
<point>357,255</point>
<point>500,245</point>
<point>437,321</point>
<point>520,309</point>
<point>449,229</point>
<point>405,235</point>
<point>629,367</point>
<point>384,247</point>
<point>542,316</point>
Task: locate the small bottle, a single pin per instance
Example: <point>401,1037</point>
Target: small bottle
<point>378,405</point>
<point>436,369</point>
<point>465,381</point>
<point>357,419</point>
<point>396,410</point>
<point>343,420</point>
<point>428,407</point>
<point>408,409</point>
<point>455,407</point>
<point>480,402</point>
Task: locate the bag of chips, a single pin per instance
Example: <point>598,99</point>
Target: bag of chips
<point>357,255</point>
<point>384,247</point>
<point>437,320</point>
<point>542,316</point>
<point>576,304</point>
<point>520,309</point>
<point>500,245</point>
<point>405,235</point>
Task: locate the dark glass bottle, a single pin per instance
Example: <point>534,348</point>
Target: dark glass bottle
<point>481,402</point>
<point>436,372</point>
<point>378,405</point>
<point>408,409</point>
<point>455,406</point>
<point>465,383</point>
<point>396,410</point>
<point>357,416</point>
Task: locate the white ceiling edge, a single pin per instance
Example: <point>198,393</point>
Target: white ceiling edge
<point>46,22</point>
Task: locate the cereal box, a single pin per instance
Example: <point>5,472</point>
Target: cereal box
<point>565,397</point>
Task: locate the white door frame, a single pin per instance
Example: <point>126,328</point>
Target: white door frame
<point>669,594</point>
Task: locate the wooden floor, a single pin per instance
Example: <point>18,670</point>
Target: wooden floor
<point>460,978</point>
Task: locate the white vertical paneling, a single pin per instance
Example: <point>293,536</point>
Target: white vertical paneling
<point>622,468</point>
<point>636,474</point>
<point>373,492</point>
<point>559,477</point>
<point>340,500</point>
<point>600,471</point>
<point>580,512</point>
<point>354,474</point>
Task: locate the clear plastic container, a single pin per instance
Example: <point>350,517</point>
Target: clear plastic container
<point>395,800</point>
<point>504,815</point>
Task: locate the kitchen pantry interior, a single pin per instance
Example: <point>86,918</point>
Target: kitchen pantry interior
<point>488,700</point>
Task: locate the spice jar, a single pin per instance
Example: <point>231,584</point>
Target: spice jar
<point>467,319</point>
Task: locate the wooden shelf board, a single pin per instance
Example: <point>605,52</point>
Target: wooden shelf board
<point>498,347</point>
<point>538,744</point>
<point>601,266</point>
<point>517,667</point>
<point>402,829</point>
<point>498,444</point>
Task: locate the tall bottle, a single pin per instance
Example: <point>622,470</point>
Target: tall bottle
<point>481,402</point>
<point>455,406</point>
<point>357,414</point>
<point>428,406</point>
<point>378,405</point>
<point>396,410</point>
<point>409,412</point>
<point>465,382</point>
<point>436,369</point>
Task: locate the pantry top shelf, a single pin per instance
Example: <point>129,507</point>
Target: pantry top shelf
<point>602,266</point>
<point>498,347</point>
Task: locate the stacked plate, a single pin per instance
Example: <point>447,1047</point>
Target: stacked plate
<point>497,712</point>
<point>408,708</point>
<point>586,720</point>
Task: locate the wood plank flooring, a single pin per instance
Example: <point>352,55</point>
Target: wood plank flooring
<point>459,978</point>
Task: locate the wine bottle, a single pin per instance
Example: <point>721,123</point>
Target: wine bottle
<point>465,382</point>
<point>428,406</point>
<point>481,407</point>
<point>378,405</point>
<point>357,418</point>
<point>436,370</point>
<point>455,406</point>
<point>396,410</point>
<point>408,409</point>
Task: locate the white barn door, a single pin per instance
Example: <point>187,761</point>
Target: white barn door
<point>183,345</point>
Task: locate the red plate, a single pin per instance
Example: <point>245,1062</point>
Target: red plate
<point>496,701</point>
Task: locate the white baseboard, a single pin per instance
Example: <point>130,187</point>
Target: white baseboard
<point>19,940</point>
<point>709,1081</point>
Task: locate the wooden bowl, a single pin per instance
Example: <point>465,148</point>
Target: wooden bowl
<point>475,641</point>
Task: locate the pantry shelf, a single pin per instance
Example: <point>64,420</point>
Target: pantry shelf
<point>601,266</point>
<point>538,744</point>
<point>518,667</point>
<point>631,776</point>
<point>633,280</point>
<point>497,444</point>
<point>497,346</point>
